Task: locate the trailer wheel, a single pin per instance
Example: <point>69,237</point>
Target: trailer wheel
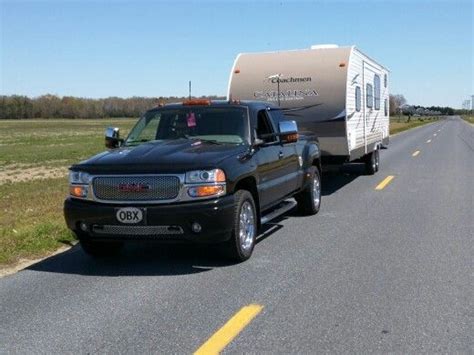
<point>100,249</point>
<point>370,163</point>
<point>309,200</point>
<point>377,160</point>
<point>244,233</point>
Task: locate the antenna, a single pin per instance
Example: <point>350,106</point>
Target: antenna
<point>276,76</point>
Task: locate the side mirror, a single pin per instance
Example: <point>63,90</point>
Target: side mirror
<point>112,137</point>
<point>288,131</point>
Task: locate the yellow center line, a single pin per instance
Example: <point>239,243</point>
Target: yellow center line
<point>220,339</point>
<point>416,153</point>
<point>384,182</point>
<point>428,141</point>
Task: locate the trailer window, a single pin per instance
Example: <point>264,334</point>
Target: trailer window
<point>358,98</point>
<point>369,96</point>
<point>377,92</point>
<point>385,106</point>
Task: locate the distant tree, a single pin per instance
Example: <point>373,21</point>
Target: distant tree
<point>51,106</point>
<point>396,103</point>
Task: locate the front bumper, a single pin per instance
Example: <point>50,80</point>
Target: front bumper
<point>214,216</point>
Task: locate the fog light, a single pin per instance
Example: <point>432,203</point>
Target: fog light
<point>196,227</point>
<point>83,226</point>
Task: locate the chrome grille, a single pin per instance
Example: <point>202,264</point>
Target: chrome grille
<point>137,230</point>
<point>136,188</point>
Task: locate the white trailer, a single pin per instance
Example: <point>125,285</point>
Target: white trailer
<point>338,93</point>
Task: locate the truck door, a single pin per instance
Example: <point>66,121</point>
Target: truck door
<point>273,168</point>
<point>289,153</point>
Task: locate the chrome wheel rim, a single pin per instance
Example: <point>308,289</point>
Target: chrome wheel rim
<point>246,225</point>
<point>316,190</point>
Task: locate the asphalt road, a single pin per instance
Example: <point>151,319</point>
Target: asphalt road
<point>385,270</point>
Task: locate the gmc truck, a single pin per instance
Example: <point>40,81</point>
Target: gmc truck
<point>197,171</point>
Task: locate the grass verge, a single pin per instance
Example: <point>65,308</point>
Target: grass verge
<point>31,200</point>
<point>31,220</point>
<point>397,126</point>
<point>468,118</point>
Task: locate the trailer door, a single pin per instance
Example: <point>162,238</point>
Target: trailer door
<point>368,99</point>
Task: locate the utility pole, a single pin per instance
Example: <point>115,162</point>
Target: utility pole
<point>190,89</point>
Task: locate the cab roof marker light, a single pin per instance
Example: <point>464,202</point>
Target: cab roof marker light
<point>197,102</point>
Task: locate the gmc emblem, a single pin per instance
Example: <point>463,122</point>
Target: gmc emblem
<point>133,187</point>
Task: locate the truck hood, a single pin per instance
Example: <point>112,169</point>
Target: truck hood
<point>170,156</point>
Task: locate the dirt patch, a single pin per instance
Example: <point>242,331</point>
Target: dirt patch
<point>15,173</point>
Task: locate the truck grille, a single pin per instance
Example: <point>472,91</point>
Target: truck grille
<point>137,230</point>
<point>136,188</point>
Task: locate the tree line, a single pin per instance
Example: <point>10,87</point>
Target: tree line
<point>52,106</point>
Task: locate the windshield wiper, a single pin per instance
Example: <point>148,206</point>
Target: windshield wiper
<point>212,141</point>
<point>137,142</point>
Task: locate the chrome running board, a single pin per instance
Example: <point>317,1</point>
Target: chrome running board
<point>283,207</point>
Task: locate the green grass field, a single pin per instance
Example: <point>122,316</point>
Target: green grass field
<point>399,125</point>
<point>469,118</point>
<point>34,157</point>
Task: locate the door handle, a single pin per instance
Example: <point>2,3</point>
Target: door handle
<point>280,155</point>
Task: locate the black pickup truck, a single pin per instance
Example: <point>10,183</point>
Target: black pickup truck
<point>197,171</point>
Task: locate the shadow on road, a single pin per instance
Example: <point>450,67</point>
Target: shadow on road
<point>151,259</point>
<point>332,182</point>
<point>143,259</point>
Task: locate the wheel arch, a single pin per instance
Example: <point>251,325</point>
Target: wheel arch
<point>249,183</point>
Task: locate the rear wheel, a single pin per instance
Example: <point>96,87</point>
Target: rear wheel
<point>309,200</point>
<point>100,249</point>
<point>244,233</point>
<point>370,163</point>
<point>377,160</point>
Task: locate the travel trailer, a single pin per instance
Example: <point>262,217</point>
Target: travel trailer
<point>338,93</point>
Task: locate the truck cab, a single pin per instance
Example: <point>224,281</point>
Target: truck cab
<point>194,172</point>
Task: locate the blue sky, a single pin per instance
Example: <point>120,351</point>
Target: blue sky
<point>151,48</point>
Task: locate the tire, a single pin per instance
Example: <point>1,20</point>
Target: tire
<point>100,249</point>
<point>309,200</point>
<point>377,160</point>
<point>370,163</point>
<point>241,243</point>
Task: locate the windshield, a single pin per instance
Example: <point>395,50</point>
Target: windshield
<point>214,124</point>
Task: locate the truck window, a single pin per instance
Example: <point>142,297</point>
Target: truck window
<point>228,125</point>
<point>264,127</point>
<point>277,116</point>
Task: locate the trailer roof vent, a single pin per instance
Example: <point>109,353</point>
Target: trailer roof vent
<point>324,46</point>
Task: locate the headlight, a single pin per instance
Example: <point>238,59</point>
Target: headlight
<point>79,177</point>
<point>205,176</point>
<point>206,190</point>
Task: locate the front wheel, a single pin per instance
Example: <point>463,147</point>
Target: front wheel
<point>309,200</point>
<point>244,233</point>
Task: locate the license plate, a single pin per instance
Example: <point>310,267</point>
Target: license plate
<point>131,215</point>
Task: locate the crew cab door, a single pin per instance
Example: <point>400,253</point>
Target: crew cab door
<point>289,154</point>
<point>273,168</point>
